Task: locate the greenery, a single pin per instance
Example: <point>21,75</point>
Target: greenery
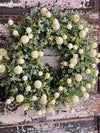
<point>43,88</point>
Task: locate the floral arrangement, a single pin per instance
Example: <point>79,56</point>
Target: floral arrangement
<point>30,84</point>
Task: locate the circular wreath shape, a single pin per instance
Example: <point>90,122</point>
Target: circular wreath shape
<point>30,84</point>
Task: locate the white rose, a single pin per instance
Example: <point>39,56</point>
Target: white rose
<point>56,95</point>
<point>2,68</point>
<point>70,45</point>
<point>34,98</point>
<point>86,29</point>
<point>38,84</point>
<point>69,81</point>
<point>80,51</point>
<point>18,70</point>
<point>52,102</point>
<point>88,71</point>
<point>64,37</point>
<point>8,101</point>
<point>72,111</point>
<point>47,75</point>
<point>88,86</point>
<point>95,45</point>
<point>96,60</point>
<point>28,88</point>
<point>71,65</point>
<point>40,73</point>
<point>43,11</point>
<point>75,47</point>
<point>20,98</point>
<point>48,14</point>
<point>15,33</point>
<point>56,27</point>
<point>82,34</point>
<point>40,54</point>
<point>86,96</point>
<point>73,61</point>
<point>75,55</point>
<point>34,54</point>
<point>59,40</point>
<point>43,101</point>
<point>12,99</point>
<point>24,39</point>
<point>30,36</point>
<point>75,99</point>
<point>78,77</point>
<point>3,52</point>
<point>20,61</point>
<point>44,97</point>
<point>96,73</point>
<point>65,63</point>
<point>0,57</point>
<point>98,55</point>
<point>93,81</point>
<point>10,22</point>
<point>76,18</point>
<point>25,107</point>
<point>80,27</point>
<point>83,89</point>
<point>93,65</point>
<point>39,113</point>
<point>25,78</point>
<point>69,26</point>
<point>93,53</point>
<point>28,30</point>
<point>60,88</point>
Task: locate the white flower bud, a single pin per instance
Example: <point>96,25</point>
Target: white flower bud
<point>38,84</point>
<point>76,18</point>
<point>43,111</point>
<point>70,45</point>
<point>60,88</point>
<point>52,102</point>
<point>72,111</point>
<point>67,107</point>
<point>0,57</point>
<point>34,54</point>
<point>69,81</point>
<point>56,95</point>
<point>75,99</point>
<point>73,61</point>
<point>40,73</point>
<point>83,89</point>
<point>86,96</point>
<point>15,33</point>
<point>64,37</point>
<point>2,68</point>
<point>75,47</point>
<point>82,34</point>
<point>95,45</point>
<point>88,86</point>
<point>25,78</point>
<point>96,60</point>
<point>8,101</point>
<point>18,70</point>
<point>3,52</point>
<point>96,73</point>
<point>75,56</point>
<point>88,71</point>
<point>28,88</point>
<point>43,11</point>
<point>80,51</point>
<point>28,30</point>
<point>71,65</point>
<point>93,53</point>
<point>47,75</point>
<point>20,61</point>
<point>24,39</point>
<point>86,29</point>
<point>69,26</point>
<point>20,98</point>
<point>30,36</point>
<point>40,54</point>
<point>93,65</point>
<point>10,22</point>
<point>65,63</point>
<point>59,40</point>
<point>34,98</point>
<point>98,55</point>
<point>80,27</point>
<point>48,14</point>
<point>78,77</point>
<point>39,113</point>
<point>12,99</point>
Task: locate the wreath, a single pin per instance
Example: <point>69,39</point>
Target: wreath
<point>29,83</point>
